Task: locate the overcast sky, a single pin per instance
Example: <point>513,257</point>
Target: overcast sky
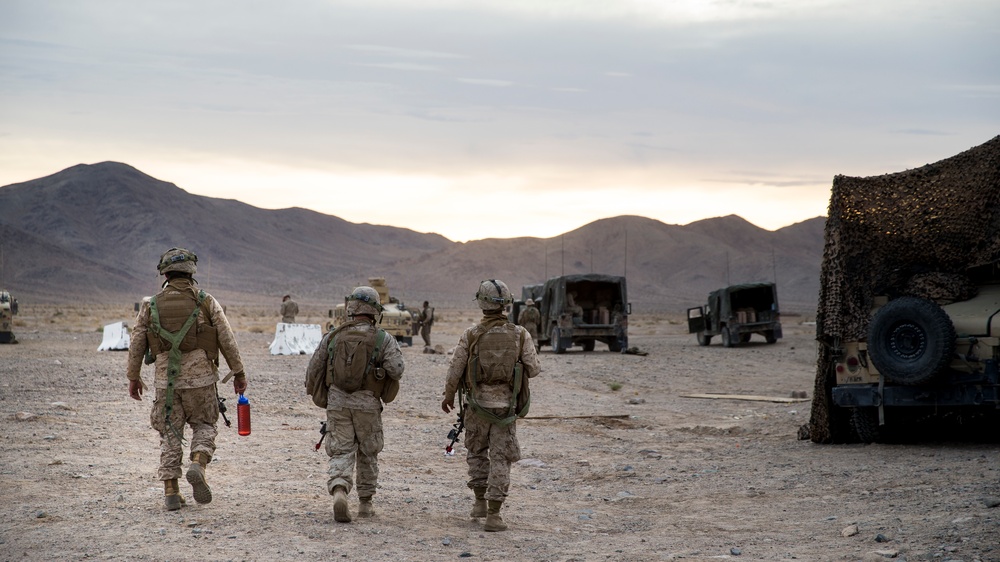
<point>478,119</point>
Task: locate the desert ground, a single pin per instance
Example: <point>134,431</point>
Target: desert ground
<point>619,462</point>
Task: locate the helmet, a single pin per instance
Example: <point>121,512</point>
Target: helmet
<point>493,294</point>
<point>363,300</point>
<point>529,302</point>
<point>178,259</point>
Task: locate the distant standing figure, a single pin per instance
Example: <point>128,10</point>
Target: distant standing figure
<point>531,319</point>
<point>289,309</point>
<point>497,351</point>
<point>426,320</point>
<point>184,329</point>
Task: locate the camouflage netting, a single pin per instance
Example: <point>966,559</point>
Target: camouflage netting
<point>909,233</point>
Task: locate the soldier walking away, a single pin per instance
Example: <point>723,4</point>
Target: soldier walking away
<point>182,329</point>
<point>490,360</point>
<point>289,309</point>
<point>361,365</point>
<point>426,320</point>
<point>531,319</point>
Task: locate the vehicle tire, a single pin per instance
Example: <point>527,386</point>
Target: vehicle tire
<point>744,338</point>
<point>864,422</point>
<point>588,345</point>
<point>727,340</point>
<point>769,336</point>
<point>910,340</point>
<point>703,338</point>
<point>557,346</point>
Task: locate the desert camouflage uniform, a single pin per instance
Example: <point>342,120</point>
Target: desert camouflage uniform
<point>491,448</point>
<point>289,309</point>
<point>195,398</point>
<point>354,420</point>
<point>426,319</point>
<point>530,317</point>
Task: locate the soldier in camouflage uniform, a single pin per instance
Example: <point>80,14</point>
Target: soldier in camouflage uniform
<point>491,436</point>
<point>185,381</point>
<point>426,320</point>
<point>289,309</point>
<point>354,419</point>
<point>530,318</point>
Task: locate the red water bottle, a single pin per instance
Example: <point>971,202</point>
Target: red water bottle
<point>243,415</point>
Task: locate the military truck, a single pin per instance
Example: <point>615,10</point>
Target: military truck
<point>396,319</point>
<point>580,310</point>
<point>736,313</point>
<point>8,308</point>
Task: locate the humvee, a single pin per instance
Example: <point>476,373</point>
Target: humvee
<point>921,356</point>
<point>737,312</point>
<point>396,320</point>
<point>8,308</point>
<point>580,310</point>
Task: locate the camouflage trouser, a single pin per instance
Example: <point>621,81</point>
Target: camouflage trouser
<point>425,333</point>
<point>492,449</point>
<point>355,438</point>
<point>197,407</point>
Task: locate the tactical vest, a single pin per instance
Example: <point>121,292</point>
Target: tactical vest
<point>175,303</point>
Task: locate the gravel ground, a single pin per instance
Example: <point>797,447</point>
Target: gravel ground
<point>617,465</point>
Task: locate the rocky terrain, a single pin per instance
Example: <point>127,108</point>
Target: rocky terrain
<point>619,462</point>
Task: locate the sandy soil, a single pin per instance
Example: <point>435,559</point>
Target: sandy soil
<point>618,463</point>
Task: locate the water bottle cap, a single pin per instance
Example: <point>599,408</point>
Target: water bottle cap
<point>242,400</point>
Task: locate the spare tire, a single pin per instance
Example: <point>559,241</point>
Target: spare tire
<point>910,340</point>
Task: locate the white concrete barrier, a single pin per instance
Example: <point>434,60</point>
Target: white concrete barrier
<point>296,339</point>
<point>116,337</point>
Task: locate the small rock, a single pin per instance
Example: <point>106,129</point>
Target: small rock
<point>61,405</point>
<point>25,416</point>
<point>991,502</point>
<point>446,541</point>
<point>465,555</point>
<point>849,531</point>
<point>735,551</point>
<point>531,462</point>
<point>885,553</point>
<point>881,538</point>
<point>41,515</point>
<point>635,400</point>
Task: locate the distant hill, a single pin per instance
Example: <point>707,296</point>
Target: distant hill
<point>96,232</point>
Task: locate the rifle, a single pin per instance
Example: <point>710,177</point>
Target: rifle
<point>222,410</point>
<point>456,430</point>
<point>322,432</point>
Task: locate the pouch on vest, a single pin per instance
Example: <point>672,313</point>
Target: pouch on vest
<point>493,356</point>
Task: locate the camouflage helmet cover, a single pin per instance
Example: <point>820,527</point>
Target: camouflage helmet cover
<point>529,302</point>
<point>363,300</point>
<point>178,259</point>
<point>493,294</point>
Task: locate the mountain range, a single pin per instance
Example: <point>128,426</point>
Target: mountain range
<point>96,232</point>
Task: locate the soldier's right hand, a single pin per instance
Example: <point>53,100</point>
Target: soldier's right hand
<point>135,389</point>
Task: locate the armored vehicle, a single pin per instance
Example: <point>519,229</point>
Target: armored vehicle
<point>396,319</point>
<point>908,302</point>
<point>920,357</point>
<point>737,312</point>
<point>8,308</point>
<point>580,310</point>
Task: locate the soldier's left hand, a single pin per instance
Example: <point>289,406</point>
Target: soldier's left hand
<point>240,384</point>
<point>448,404</point>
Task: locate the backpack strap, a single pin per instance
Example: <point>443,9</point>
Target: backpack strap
<point>174,355</point>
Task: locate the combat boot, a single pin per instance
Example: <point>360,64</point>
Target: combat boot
<point>365,508</point>
<point>479,508</point>
<point>196,477</point>
<point>172,499</point>
<point>341,513</point>
<point>493,520</point>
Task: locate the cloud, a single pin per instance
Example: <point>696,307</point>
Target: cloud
<point>404,53</point>
<point>486,82</point>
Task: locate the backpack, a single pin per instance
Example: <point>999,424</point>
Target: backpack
<point>496,358</point>
<point>351,356</point>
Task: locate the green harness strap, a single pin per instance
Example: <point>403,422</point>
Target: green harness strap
<point>473,390</point>
<point>174,355</point>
